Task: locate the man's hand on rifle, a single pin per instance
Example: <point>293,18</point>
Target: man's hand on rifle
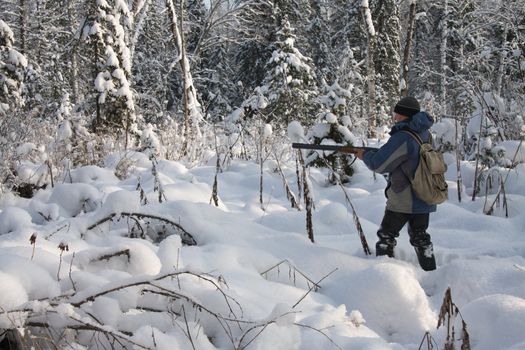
<point>359,153</point>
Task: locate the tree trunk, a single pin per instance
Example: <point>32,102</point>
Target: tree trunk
<point>500,72</point>
<point>308,198</point>
<point>459,180</point>
<point>139,9</point>
<point>192,116</point>
<point>370,69</point>
<point>443,62</point>
<point>22,23</point>
<point>73,75</point>
<point>408,46</point>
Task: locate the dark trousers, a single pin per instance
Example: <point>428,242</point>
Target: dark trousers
<point>393,222</point>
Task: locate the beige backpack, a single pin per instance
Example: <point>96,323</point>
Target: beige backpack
<point>429,182</point>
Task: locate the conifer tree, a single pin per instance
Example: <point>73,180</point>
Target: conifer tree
<point>386,57</point>
<point>289,85</point>
<point>13,66</point>
<point>107,29</point>
<point>256,35</point>
<point>318,43</point>
<point>153,68</point>
<point>196,18</point>
<point>346,28</point>
<point>218,90</point>
<point>332,129</point>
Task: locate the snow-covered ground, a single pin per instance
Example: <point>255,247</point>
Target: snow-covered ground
<point>249,280</point>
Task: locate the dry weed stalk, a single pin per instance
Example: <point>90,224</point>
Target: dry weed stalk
<point>447,314</point>
<point>501,196</point>
<point>289,193</point>
<point>428,341</point>
<point>32,240</point>
<point>292,270</point>
<point>143,197</point>
<point>157,186</point>
<point>308,198</point>
<point>357,222</point>
<point>312,287</point>
<point>214,192</point>
<point>63,247</point>
<point>262,326</point>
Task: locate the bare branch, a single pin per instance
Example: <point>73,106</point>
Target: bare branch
<point>186,237</point>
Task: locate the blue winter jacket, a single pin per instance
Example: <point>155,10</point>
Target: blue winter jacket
<point>399,157</point>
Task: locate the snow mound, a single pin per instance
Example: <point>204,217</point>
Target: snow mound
<point>391,299</point>
<point>93,174</point>
<point>495,322</point>
<point>12,295</point>
<point>13,219</point>
<point>35,280</point>
<point>74,199</point>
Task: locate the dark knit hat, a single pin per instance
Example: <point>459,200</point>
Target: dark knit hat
<point>407,106</point>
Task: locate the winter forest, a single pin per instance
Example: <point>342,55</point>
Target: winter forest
<point>135,132</point>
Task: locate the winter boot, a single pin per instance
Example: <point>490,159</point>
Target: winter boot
<point>425,256</point>
<point>384,248</point>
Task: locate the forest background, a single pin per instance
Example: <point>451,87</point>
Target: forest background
<point>85,78</point>
<point>158,97</point>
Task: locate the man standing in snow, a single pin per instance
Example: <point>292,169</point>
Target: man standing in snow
<point>399,157</point>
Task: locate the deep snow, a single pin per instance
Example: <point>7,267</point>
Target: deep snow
<point>363,302</point>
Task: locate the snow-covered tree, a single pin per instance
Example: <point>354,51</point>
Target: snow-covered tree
<point>332,130</point>
<point>218,90</point>
<point>13,66</point>
<point>289,85</point>
<point>107,28</point>
<point>341,102</point>
<point>481,137</point>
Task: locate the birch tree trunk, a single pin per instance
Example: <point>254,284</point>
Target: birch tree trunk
<point>408,46</point>
<point>139,10</point>
<point>370,69</point>
<point>192,114</point>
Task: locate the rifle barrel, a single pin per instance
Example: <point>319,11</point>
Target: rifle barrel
<point>319,147</point>
<point>343,149</point>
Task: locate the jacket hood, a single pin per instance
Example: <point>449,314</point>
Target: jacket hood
<point>420,122</point>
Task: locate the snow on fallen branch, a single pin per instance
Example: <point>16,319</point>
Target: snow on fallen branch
<point>73,316</point>
<point>186,237</point>
<point>74,312</point>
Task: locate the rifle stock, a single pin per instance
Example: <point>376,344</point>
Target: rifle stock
<point>336,148</point>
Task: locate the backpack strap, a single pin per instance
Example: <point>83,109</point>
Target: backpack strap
<point>416,136</point>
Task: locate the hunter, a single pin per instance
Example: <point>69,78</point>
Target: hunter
<point>399,157</point>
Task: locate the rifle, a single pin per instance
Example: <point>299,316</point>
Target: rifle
<point>336,148</point>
